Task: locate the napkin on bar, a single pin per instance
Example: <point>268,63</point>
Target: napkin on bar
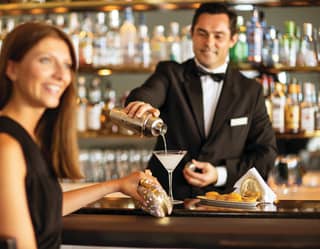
<point>267,195</point>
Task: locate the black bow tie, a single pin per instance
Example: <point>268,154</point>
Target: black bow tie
<point>218,77</point>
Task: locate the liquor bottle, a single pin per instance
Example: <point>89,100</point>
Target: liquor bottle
<point>173,43</point>
<point>60,22</point>
<point>109,102</point>
<point>122,163</point>
<point>158,45</point>
<point>289,45</point>
<point>270,50</point>
<point>95,171</point>
<point>94,106</point>
<point>315,37</point>
<point>82,103</point>
<point>292,109</point>
<point>74,32</point>
<point>307,55</point>
<point>262,21</point>
<point>110,171</point>
<point>298,36</point>
<point>318,45</point>
<point>1,33</point>
<point>86,42</point>
<point>6,27</point>
<point>114,53</point>
<point>186,43</point>
<point>143,44</point>
<point>239,52</point>
<point>278,100</point>
<point>308,108</point>
<point>134,161</point>
<point>267,94</point>
<point>317,114</point>
<point>254,37</point>
<point>300,90</point>
<point>100,55</point>
<point>128,35</point>
<point>11,23</point>
<point>124,130</point>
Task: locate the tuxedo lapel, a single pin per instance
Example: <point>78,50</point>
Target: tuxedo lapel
<point>194,94</point>
<point>226,101</point>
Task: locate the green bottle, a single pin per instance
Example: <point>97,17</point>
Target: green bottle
<point>289,45</point>
<point>239,52</point>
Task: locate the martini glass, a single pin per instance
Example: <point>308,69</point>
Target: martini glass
<point>170,159</point>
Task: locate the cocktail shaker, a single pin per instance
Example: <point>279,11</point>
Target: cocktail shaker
<point>147,125</point>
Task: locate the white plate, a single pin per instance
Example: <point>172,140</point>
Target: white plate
<point>229,204</point>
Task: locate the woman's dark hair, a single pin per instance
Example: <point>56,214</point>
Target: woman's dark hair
<point>216,8</point>
<point>56,129</point>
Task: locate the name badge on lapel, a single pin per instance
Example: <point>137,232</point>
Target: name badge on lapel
<point>239,121</point>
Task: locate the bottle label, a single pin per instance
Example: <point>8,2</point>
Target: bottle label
<point>278,119</point>
<point>94,113</point>
<point>308,119</point>
<point>82,117</point>
<point>292,118</point>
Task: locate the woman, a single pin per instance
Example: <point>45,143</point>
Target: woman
<point>38,137</point>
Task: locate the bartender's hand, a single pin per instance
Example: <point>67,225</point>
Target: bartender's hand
<point>139,108</point>
<point>206,174</point>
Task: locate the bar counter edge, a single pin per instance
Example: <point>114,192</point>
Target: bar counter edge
<point>190,232</point>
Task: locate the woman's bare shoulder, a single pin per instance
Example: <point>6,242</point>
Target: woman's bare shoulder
<point>11,153</point>
<point>8,143</point>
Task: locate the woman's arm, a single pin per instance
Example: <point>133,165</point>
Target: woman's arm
<point>15,220</point>
<point>75,199</point>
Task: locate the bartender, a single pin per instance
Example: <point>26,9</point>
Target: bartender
<point>211,109</point>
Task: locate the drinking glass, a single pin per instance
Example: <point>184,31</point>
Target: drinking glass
<point>169,160</point>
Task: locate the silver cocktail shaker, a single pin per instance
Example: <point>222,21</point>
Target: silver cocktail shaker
<point>147,125</point>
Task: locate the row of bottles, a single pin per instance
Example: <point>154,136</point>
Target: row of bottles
<point>97,111</point>
<point>101,39</point>
<point>95,100</point>
<point>292,107</point>
<point>129,44</point>
<point>99,165</point>
<point>262,44</point>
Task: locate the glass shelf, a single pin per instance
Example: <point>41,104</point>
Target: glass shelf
<point>276,69</point>
<point>97,139</point>
<point>17,8</point>
<point>86,136</point>
<point>99,135</point>
<point>109,69</point>
<point>304,135</point>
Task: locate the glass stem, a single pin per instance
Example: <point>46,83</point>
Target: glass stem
<point>170,185</point>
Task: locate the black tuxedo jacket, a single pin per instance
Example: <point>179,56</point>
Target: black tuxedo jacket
<point>175,89</point>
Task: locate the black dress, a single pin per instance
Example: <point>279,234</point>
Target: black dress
<point>43,189</point>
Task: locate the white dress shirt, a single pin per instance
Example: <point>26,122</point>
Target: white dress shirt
<point>211,91</point>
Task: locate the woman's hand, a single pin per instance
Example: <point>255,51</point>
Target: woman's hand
<point>129,184</point>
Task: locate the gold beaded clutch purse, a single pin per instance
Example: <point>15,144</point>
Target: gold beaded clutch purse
<point>157,201</point>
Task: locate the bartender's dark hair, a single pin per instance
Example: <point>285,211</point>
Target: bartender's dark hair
<point>56,129</point>
<point>216,8</point>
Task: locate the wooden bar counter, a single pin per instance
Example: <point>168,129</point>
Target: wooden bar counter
<point>114,221</point>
